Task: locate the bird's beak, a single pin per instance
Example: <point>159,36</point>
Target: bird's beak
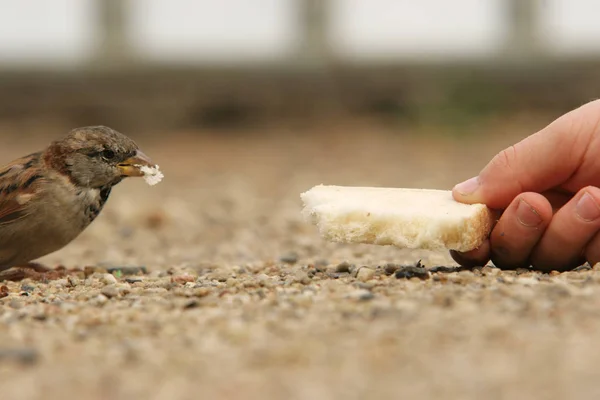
<point>131,166</point>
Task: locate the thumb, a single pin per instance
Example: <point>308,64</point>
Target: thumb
<point>540,162</point>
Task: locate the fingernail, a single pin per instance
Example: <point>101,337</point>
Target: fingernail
<point>587,208</point>
<point>468,187</point>
<point>527,215</point>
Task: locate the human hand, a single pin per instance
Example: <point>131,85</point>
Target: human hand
<point>546,189</point>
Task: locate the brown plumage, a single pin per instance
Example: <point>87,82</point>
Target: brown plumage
<point>48,198</point>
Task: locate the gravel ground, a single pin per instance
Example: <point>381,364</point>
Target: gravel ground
<point>210,285</point>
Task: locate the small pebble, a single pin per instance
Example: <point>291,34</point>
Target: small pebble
<point>465,274</point>
<point>99,300</point>
<point>412,272</point>
<point>39,315</point>
<point>108,279</point>
<point>3,291</point>
<point>16,304</point>
<point>131,270</point>
<point>191,304</point>
<point>558,290</point>
<point>60,283</point>
<point>201,292</point>
<point>182,278</point>
<point>444,269</point>
<point>231,282</point>
<point>24,355</point>
<point>126,231</point>
<point>337,275</point>
<point>239,270</point>
<point>487,270</point>
<point>158,274</point>
<point>361,294</point>
<point>520,271</point>
<point>390,268</point>
<point>443,300</point>
<point>302,277</point>
<point>156,219</point>
<point>527,281</point>
<point>73,280</point>
<point>110,291</point>
<point>290,258</point>
<point>220,276</point>
<point>262,278</point>
<point>364,274</point>
<point>584,267</point>
<point>343,267</point>
<point>90,270</point>
<point>27,288</point>
<point>365,285</point>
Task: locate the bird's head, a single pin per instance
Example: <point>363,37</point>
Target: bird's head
<point>96,156</point>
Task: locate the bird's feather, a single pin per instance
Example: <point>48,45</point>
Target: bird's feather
<point>20,173</point>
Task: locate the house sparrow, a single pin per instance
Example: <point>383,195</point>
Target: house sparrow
<point>48,198</point>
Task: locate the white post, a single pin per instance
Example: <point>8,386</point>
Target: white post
<point>113,48</point>
<point>522,18</point>
<point>314,49</point>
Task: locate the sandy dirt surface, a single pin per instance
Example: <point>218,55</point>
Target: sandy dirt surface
<point>241,299</point>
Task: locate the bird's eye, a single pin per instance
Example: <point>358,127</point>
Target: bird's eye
<point>108,154</point>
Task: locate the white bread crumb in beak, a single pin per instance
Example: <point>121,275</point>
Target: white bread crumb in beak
<point>152,175</point>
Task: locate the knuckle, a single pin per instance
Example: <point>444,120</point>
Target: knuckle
<point>506,158</point>
<point>585,119</point>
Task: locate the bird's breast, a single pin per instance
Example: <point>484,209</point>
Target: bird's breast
<point>92,201</point>
<point>71,209</point>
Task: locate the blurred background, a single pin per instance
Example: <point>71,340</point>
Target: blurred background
<point>156,65</point>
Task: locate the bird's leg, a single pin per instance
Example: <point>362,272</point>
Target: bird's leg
<point>12,274</point>
<point>20,272</point>
<point>37,267</point>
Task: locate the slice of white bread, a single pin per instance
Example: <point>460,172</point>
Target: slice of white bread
<point>406,218</point>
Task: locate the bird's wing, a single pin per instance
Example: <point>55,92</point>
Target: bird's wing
<point>17,187</point>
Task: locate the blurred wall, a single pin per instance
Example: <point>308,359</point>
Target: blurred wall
<point>222,60</point>
<point>69,32</point>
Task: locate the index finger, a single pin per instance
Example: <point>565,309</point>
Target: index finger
<point>538,163</point>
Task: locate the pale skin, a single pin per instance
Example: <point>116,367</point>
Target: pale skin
<point>546,190</point>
